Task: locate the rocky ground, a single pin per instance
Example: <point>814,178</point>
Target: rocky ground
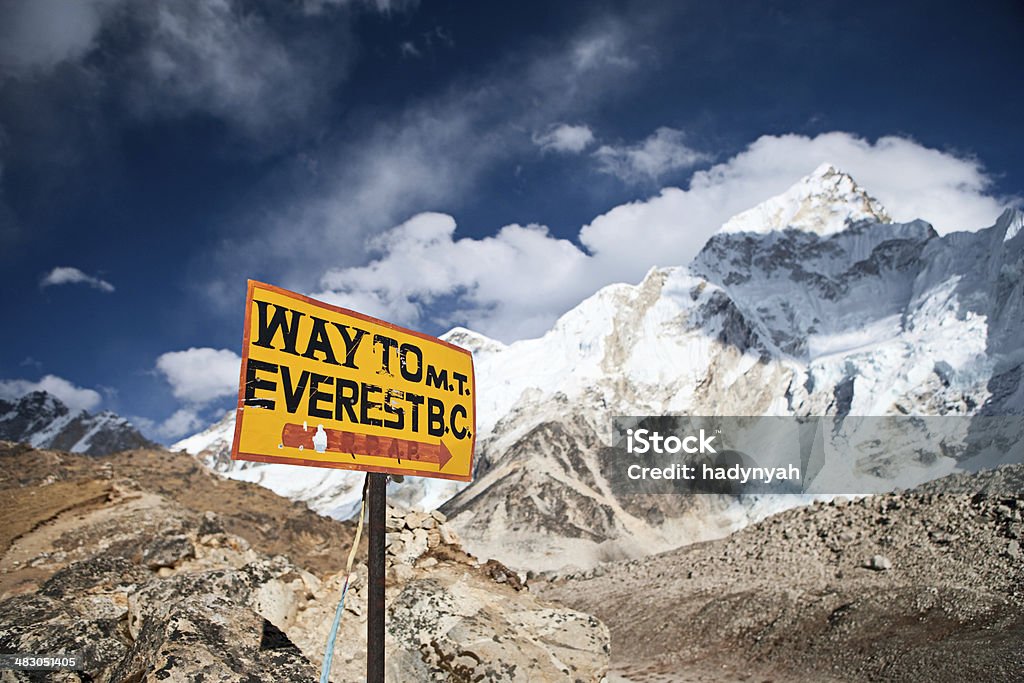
<point>922,585</point>
<point>157,570</point>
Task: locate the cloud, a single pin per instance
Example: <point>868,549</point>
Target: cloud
<point>318,6</point>
<point>426,42</point>
<point>515,283</point>
<point>423,265</point>
<point>37,35</point>
<point>222,59</point>
<point>66,275</point>
<point>264,69</point>
<point>430,155</point>
<point>200,375</point>
<point>662,152</point>
<point>911,181</point>
<point>564,138</point>
<point>182,422</point>
<point>74,397</point>
<point>600,49</point>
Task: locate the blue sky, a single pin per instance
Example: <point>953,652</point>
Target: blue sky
<point>440,163</point>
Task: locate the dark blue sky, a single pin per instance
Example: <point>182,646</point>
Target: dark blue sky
<point>174,151</point>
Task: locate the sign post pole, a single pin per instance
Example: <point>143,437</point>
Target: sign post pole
<point>323,386</point>
<point>377,503</point>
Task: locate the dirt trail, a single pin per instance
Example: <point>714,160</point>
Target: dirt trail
<point>35,555</point>
<point>48,484</point>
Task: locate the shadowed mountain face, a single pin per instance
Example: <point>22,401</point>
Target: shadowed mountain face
<point>812,303</point>
<point>42,420</point>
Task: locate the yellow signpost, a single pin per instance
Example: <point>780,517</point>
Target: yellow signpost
<point>327,387</point>
<point>323,386</point>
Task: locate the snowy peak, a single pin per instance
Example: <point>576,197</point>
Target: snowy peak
<point>824,202</point>
<point>1010,223</point>
<point>213,444</point>
<point>474,342</point>
<point>43,421</point>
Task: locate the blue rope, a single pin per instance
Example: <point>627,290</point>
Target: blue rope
<point>325,668</point>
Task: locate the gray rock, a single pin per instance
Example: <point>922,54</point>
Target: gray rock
<point>41,623</point>
<point>168,551</point>
<point>879,563</point>
<point>469,632</point>
<point>419,520</point>
<point>943,538</point>
<point>211,524</point>
<point>210,637</point>
<point>100,572</point>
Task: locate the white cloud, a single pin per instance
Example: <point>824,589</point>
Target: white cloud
<point>409,49</point>
<point>262,69</point>
<point>515,283</point>
<point>563,137</point>
<point>601,48</point>
<point>911,181</point>
<point>318,6</point>
<point>429,156</point>
<point>74,397</point>
<point>507,284</point>
<point>200,375</point>
<point>216,57</point>
<point>662,152</point>
<point>37,35</point>
<point>182,422</point>
<point>66,275</point>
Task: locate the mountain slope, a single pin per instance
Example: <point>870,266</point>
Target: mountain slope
<point>801,596</point>
<point>794,308</point>
<point>43,421</point>
<point>812,303</point>
<point>335,493</point>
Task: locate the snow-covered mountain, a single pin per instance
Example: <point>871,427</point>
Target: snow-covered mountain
<point>43,421</point>
<point>335,493</point>
<point>812,303</point>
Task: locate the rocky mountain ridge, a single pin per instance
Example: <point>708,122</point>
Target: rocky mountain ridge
<point>44,421</point>
<point>876,318</point>
<point>157,570</point>
<point>813,303</point>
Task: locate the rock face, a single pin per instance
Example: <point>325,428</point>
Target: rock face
<point>902,586</point>
<point>43,421</point>
<point>194,613</point>
<point>812,303</point>
<point>451,618</point>
<point>135,574</point>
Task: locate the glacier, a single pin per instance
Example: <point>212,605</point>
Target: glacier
<point>812,303</point>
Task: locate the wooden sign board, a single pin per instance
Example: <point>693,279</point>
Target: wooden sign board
<point>323,386</point>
